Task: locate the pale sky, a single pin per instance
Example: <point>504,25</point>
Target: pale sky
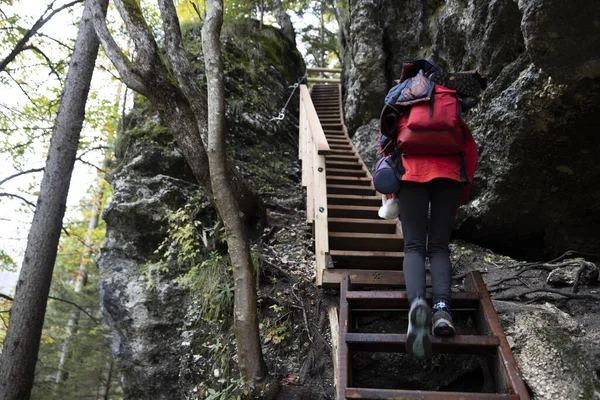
<point>14,224</point>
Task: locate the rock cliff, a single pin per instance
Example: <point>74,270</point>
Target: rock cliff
<point>536,191</point>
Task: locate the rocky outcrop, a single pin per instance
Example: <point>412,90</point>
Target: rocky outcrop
<point>162,345</point>
<point>145,313</point>
<point>536,191</point>
<point>550,361</point>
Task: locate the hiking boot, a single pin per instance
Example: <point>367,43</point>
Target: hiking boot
<point>442,320</point>
<point>418,343</point>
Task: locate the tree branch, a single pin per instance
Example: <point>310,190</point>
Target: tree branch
<point>89,164</point>
<point>40,52</point>
<point>113,51</point>
<point>29,171</point>
<point>147,50</point>
<point>16,196</point>
<point>56,41</point>
<point>569,295</point>
<point>92,149</point>
<point>182,67</point>
<point>38,24</point>
<point>2,295</point>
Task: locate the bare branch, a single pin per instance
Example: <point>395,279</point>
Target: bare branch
<point>16,196</point>
<point>93,149</point>
<point>29,171</point>
<point>113,51</point>
<point>52,67</point>
<point>182,66</point>
<point>20,86</point>
<point>569,295</point>
<point>56,41</point>
<point>89,164</point>
<point>38,24</point>
<point>195,6</point>
<point>147,49</point>
<point>2,295</point>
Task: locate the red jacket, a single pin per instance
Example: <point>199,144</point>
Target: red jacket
<point>424,168</point>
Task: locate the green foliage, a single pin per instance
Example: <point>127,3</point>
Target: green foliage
<point>89,354</point>
<point>6,262</point>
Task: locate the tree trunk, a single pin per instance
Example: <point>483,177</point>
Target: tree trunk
<point>19,355</point>
<point>80,282</point>
<point>181,103</point>
<point>106,381</point>
<point>251,362</point>
<point>322,34</point>
<point>284,21</point>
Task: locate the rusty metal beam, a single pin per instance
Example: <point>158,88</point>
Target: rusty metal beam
<point>392,394</point>
<point>396,343</point>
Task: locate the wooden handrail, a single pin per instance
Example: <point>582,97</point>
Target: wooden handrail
<point>312,150</point>
<point>315,128</point>
<point>318,69</point>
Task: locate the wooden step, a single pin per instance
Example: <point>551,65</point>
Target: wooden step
<point>343,152</point>
<point>389,299</point>
<point>354,200</point>
<point>338,140</point>
<point>336,157</point>
<point>396,343</point>
<point>351,189</point>
<point>362,277</point>
<point>346,172</point>
<point>377,260</point>
<point>397,394</point>
<point>362,241</point>
<point>341,146</point>
<point>342,165</point>
<point>347,180</point>
<point>361,225</point>
<point>344,211</point>
<point>332,127</point>
<point>335,133</point>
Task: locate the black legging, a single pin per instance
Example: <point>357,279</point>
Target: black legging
<point>444,196</point>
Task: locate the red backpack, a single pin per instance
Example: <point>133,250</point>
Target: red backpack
<point>432,127</point>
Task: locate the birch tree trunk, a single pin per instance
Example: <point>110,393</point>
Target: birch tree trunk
<point>80,282</point>
<point>19,354</point>
<point>251,362</point>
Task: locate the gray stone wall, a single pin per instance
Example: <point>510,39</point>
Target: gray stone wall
<point>537,189</point>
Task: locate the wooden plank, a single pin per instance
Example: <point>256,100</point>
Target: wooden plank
<point>320,69</point>
<point>396,343</point>
<point>338,157</point>
<point>353,200</point>
<point>344,211</point>
<point>348,172</point>
<point>397,394</point>
<point>378,260</point>
<point>507,365</point>
<point>333,277</point>
<point>348,180</point>
<point>334,329</point>
<point>323,80</point>
<point>315,127</point>
<point>320,210</point>
<point>343,354</point>
<point>399,299</point>
<point>351,189</point>
<point>361,225</point>
<point>364,241</point>
<point>310,189</point>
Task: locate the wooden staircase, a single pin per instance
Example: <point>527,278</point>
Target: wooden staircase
<point>356,249</point>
